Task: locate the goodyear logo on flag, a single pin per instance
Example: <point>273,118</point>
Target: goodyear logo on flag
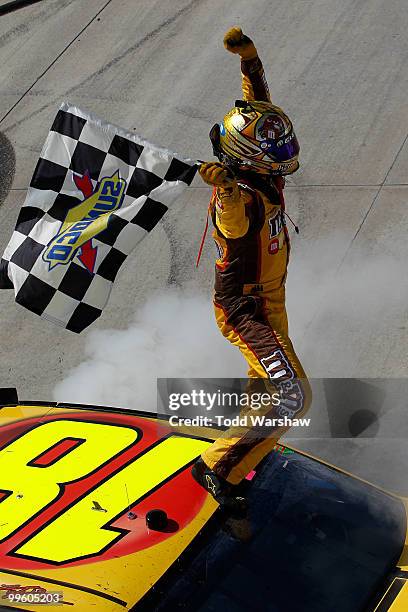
<point>86,220</point>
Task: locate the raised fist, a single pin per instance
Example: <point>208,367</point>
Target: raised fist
<point>237,42</point>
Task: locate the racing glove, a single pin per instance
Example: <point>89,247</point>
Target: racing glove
<point>237,42</point>
<point>217,175</point>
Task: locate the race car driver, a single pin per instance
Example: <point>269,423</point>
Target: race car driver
<point>256,146</point>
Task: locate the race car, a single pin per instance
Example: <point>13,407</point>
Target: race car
<point>99,511</point>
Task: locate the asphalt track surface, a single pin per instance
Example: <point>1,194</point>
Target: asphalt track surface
<point>340,70</point>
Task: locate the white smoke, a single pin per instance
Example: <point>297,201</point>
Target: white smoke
<point>337,317</point>
<point>348,318</point>
<point>174,335</point>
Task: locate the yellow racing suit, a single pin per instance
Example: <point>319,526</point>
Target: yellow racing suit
<point>250,272</point>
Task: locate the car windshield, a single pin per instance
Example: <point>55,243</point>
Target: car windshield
<point>317,540</point>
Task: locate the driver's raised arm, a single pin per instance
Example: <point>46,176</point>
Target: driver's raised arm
<point>254,85</point>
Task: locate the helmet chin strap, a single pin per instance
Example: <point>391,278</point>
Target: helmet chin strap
<point>292,222</point>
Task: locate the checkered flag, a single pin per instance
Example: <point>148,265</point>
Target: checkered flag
<point>96,192</point>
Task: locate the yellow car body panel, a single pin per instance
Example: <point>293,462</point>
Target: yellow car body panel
<point>395,598</point>
<point>116,583</point>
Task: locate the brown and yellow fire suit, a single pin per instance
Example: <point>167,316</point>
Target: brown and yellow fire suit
<point>253,244</point>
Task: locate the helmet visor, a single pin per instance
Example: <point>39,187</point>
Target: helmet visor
<point>280,150</point>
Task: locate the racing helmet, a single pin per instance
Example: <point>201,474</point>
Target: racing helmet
<point>256,136</point>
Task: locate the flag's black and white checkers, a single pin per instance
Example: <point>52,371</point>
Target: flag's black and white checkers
<point>96,192</point>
